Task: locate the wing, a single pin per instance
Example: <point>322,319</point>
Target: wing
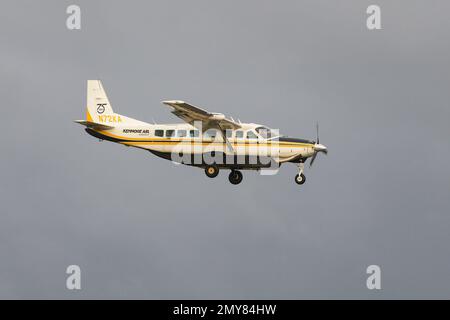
<point>192,114</point>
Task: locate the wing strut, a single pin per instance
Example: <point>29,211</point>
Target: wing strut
<point>229,145</point>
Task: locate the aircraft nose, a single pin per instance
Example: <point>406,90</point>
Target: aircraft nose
<point>320,148</point>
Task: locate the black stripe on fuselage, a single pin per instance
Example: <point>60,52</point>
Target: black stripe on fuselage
<point>295,140</point>
<point>221,159</point>
<point>102,136</point>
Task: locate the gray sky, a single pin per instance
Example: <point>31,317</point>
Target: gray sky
<point>140,227</point>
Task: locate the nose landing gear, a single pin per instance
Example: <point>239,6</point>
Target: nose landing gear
<point>235,177</point>
<point>300,177</point>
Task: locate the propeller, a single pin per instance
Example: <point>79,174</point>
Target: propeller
<point>312,159</point>
<point>317,146</point>
<point>317,132</point>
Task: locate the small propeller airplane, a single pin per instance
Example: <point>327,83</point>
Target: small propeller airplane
<point>207,140</point>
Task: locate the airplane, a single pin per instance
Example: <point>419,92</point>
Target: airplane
<point>206,140</point>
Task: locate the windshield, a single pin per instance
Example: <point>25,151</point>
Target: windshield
<point>267,133</point>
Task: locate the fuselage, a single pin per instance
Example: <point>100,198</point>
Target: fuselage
<point>252,146</point>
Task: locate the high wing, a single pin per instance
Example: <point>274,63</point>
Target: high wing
<point>192,114</point>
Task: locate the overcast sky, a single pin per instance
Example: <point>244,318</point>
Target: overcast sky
<point>141,227</point>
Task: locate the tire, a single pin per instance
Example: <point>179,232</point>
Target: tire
<point>235,177</point>
<point>300,179</point>
<point>212,171</point>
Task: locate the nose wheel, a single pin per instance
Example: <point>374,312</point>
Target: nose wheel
<point>235,177</point>
<point>300,177</point>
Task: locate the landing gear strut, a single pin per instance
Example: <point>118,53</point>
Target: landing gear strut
<point>212,170</point>
<point>235,177</point>
<point>300,177</point>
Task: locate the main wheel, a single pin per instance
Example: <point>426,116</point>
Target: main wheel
<point>300,179</point>
<point>212,170</point>
<point>235,177</point>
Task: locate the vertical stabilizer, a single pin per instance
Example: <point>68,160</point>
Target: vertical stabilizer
<point>97,101</point>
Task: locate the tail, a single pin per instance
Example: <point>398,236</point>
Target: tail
<point>97,102</point>
<point>99,112</point>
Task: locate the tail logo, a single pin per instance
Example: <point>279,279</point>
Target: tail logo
<point>101,108</point>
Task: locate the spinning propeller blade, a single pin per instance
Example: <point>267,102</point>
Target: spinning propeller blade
<point>317,146</point>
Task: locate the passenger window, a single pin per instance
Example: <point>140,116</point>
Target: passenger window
<point>251,135</point>
<point>211,133</point>
<point>228,133</point>
<point>194,133</point>
<point>239,134</point>
<point>181,133</point>
<point>170,133</point>
<point>159,133</point>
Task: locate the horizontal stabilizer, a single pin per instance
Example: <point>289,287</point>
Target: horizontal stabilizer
<point>93,125</point>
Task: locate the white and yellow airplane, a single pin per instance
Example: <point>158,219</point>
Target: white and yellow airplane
<point>207,140</point>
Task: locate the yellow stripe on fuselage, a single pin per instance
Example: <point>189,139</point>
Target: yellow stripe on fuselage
<point>190,141</point>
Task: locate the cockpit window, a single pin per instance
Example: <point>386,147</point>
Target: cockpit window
<point>266,133</point>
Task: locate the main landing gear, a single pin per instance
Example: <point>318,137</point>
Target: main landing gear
<point>235,176</point>
<point>300,177</point>
<point>212,170</point>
